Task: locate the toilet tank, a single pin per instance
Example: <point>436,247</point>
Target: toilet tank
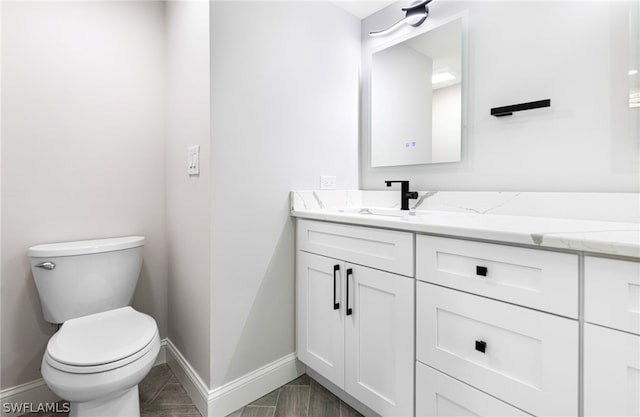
<point>79,278</point>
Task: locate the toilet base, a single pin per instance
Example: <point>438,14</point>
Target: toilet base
<point>126,404</point>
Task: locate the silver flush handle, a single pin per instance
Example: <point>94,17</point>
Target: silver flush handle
<point>46,265</point>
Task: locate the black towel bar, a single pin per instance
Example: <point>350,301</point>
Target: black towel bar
<point>508,110</point>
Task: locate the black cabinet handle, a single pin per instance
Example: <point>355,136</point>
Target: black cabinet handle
<point>481,345</point>
<point>349,309</point>
<point>336,305</point>
<point>481,270</point>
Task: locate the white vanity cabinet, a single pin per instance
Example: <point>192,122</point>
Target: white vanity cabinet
<point>611,337</point>
<point>354,319</point>
<point>506,354</point>
<point>467,327</point>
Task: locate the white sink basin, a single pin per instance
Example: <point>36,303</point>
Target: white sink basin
<point>380,211</point>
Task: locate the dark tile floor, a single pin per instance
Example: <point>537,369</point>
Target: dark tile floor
<point>161,395</point>
<point>302,397</point>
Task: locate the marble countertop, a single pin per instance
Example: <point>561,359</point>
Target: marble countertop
<point>486,216</point>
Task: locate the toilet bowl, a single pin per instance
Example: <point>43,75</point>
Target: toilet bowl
<point>96,362</point>
<point>104,347</point>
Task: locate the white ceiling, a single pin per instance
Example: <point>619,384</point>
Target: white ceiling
<point>362,8</point>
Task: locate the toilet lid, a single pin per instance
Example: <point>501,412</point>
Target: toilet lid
<point>102,338</point>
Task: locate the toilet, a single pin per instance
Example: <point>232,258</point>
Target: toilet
<point>104,348</point>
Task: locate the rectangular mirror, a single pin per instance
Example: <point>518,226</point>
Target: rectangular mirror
<point>416,98</point>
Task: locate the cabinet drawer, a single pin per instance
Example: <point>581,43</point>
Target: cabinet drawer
<point>530,358</point>
<point>612,293</point>
<point>440,395</point>
<point>611,372</point>
<point>534,278</point>
<point>387,250</point>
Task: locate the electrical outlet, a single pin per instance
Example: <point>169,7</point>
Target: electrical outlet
<point>327,182</point>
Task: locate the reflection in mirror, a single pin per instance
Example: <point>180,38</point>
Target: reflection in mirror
<point>634,56</point>
<point>416,99</point>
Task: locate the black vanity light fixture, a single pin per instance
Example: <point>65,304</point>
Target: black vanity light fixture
<point>509,110</point>
<point>415,15</point>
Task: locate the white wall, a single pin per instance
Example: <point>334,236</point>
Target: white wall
<point>188,197</point>
<point>82,151</point>
<point>576,54</point>
<point>284,91</point>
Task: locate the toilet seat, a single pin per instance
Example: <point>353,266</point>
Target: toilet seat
<point>102,341</point>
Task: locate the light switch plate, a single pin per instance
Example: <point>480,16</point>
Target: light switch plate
<point>193,162</point>
<point>327,182</point>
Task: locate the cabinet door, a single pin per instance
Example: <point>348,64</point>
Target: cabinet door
<point>319,321</point>
<point>379,359</point>
<point>612,293</point>
<point>611,372</point>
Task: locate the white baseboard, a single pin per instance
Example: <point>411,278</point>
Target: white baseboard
<point>192,383</point>
<point>226,399</point>
<point>27,397</point>
<point>217,402</point>
<point>234,395</point>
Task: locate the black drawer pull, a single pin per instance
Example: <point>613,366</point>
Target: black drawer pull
<point>349,309</point>
<point>481,270</point>
<point>481,345</point>
<point>336,305</point>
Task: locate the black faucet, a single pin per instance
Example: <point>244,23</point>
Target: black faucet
<point>405,194</point>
